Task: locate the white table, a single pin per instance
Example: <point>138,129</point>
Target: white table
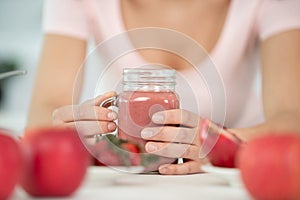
<point>105,183</point>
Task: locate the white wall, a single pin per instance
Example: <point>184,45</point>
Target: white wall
<point>20,39</point>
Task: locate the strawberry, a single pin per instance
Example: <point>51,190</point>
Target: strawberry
<point>133,153</point>
<point>130,147</point>
<point>113,151</point>
<point>105,155</point>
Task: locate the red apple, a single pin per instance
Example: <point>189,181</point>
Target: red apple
<point>270,166</point>
<point>10,164</point>
<point>219,145</point>
<point>56,162</point>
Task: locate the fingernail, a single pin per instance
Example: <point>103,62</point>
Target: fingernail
<point>158,118</point>
<point>151,147</point>
<point>112,115</point>
<point>163,169</point>
<point>111,126</point>
<point>146,133</point>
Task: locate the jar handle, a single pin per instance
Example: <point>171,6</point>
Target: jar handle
<point>112,101</point>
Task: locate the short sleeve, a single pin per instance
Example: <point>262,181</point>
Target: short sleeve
<point>276,16</point>
<point>66,17</point>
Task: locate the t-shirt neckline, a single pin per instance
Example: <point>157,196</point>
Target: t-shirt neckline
<point>118,14</point>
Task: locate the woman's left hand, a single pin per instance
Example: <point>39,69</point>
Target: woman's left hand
<point>177,138</point>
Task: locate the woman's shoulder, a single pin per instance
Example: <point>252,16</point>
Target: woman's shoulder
<point>275,16</point>
<point>73,17</point>
<point>266,17</point>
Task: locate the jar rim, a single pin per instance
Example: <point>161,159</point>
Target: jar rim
<point>150,72</point>
<point>150,78</point>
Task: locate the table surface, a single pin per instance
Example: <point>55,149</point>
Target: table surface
<point>107,183</point>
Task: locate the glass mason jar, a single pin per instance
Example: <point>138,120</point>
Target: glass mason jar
<point>145,91</point>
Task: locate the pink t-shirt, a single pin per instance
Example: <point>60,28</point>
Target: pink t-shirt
<point>224,87</point>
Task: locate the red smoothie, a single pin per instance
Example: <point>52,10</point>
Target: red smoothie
<point>135,111</point>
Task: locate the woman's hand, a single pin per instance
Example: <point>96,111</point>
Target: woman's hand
<point>88,118</point>
<point>178,138</point>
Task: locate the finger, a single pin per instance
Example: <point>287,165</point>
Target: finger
<point>190,167</point>
<point>62,115</point>
<point>176,116</point>
<point>99,99</point>
<point>171,134</point>
<point>82,113</point>
<point>91,128</point>
<point>173,150</point>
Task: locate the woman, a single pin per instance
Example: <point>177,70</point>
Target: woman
<point>229,30</point>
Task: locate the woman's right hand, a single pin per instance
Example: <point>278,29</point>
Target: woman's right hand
<point>88,118</point>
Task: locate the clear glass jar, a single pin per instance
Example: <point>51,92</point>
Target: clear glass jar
<point>145,92</point>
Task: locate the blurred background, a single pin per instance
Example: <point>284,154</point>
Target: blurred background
<point>20,43</point>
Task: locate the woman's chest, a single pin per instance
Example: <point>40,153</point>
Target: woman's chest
<point>187,26</point>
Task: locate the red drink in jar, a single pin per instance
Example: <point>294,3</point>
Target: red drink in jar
<point>145,92</point>
<point>137,108</point>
